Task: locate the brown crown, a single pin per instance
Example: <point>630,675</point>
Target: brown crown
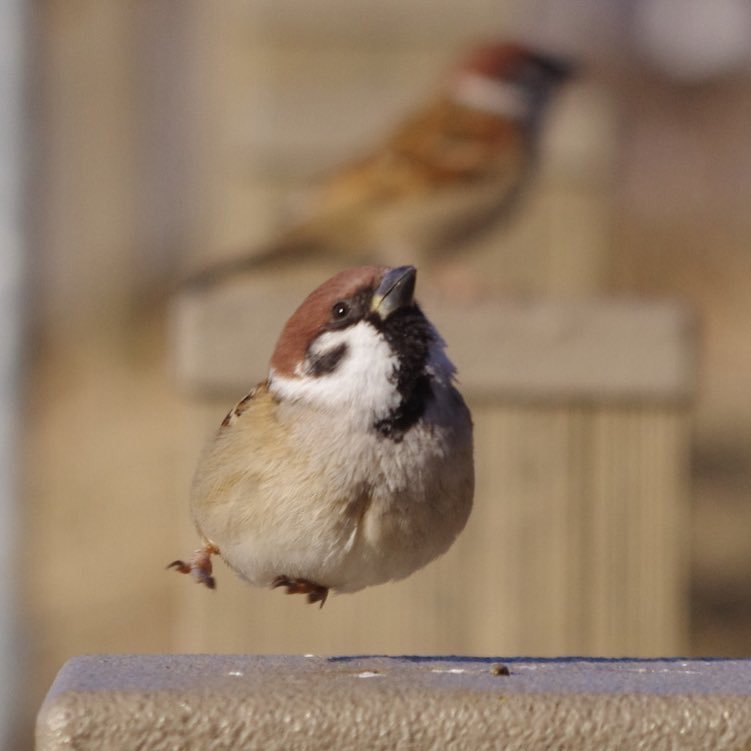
<point>506,59</point>
<point>315,311</point>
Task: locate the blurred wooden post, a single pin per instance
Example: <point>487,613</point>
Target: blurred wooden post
<point>576,543</point>
<point>581,407</point>
<point>13,140</point>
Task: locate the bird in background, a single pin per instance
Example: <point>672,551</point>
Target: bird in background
<point>351,464</point>
<point>449,172</point>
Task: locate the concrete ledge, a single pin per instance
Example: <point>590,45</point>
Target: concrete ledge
<point>250,702</point>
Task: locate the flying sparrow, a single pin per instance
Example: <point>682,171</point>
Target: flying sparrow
<point>449,172</point>
<point>351,464</point>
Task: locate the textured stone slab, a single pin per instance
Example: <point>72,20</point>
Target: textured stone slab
<point>252,702</point>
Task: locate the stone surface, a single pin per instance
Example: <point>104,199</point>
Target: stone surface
<point>309,702</point>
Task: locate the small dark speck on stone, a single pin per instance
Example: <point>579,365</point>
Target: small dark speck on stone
<point>499,669</point>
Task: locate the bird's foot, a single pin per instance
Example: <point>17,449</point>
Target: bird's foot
<point>315,592</point>
<point>199,564</point>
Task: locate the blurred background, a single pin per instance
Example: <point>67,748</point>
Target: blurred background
<point>141,139</point>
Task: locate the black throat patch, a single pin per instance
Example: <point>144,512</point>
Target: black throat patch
<point>410,335</point>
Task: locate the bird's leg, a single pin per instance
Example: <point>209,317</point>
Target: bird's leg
<point>315,592</point>
<point>199,564</point>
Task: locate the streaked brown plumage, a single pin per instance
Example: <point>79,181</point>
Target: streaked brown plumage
<point>448,172</point>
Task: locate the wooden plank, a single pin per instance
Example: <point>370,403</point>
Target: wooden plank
<point>504,348</point>
<point>637,541</point>
<point>574,547</point>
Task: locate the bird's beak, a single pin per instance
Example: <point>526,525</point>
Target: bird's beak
<point>558,68</point>
<point>396,290</point>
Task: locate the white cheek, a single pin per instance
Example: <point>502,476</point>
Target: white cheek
<point>363,382</point>
<point>493,96</point>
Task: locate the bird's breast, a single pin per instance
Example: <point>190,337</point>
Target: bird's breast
<point>332,500</point>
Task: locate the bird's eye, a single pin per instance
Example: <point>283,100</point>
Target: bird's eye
<point>340,311</point>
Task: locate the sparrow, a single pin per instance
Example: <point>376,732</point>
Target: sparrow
<point>352,463</point>
<point>449,172</point>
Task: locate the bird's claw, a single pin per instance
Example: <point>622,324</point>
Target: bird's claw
<point>315,592</point>
<point>199,564</point>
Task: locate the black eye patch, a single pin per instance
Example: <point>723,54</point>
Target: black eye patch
<point>326,362</point>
